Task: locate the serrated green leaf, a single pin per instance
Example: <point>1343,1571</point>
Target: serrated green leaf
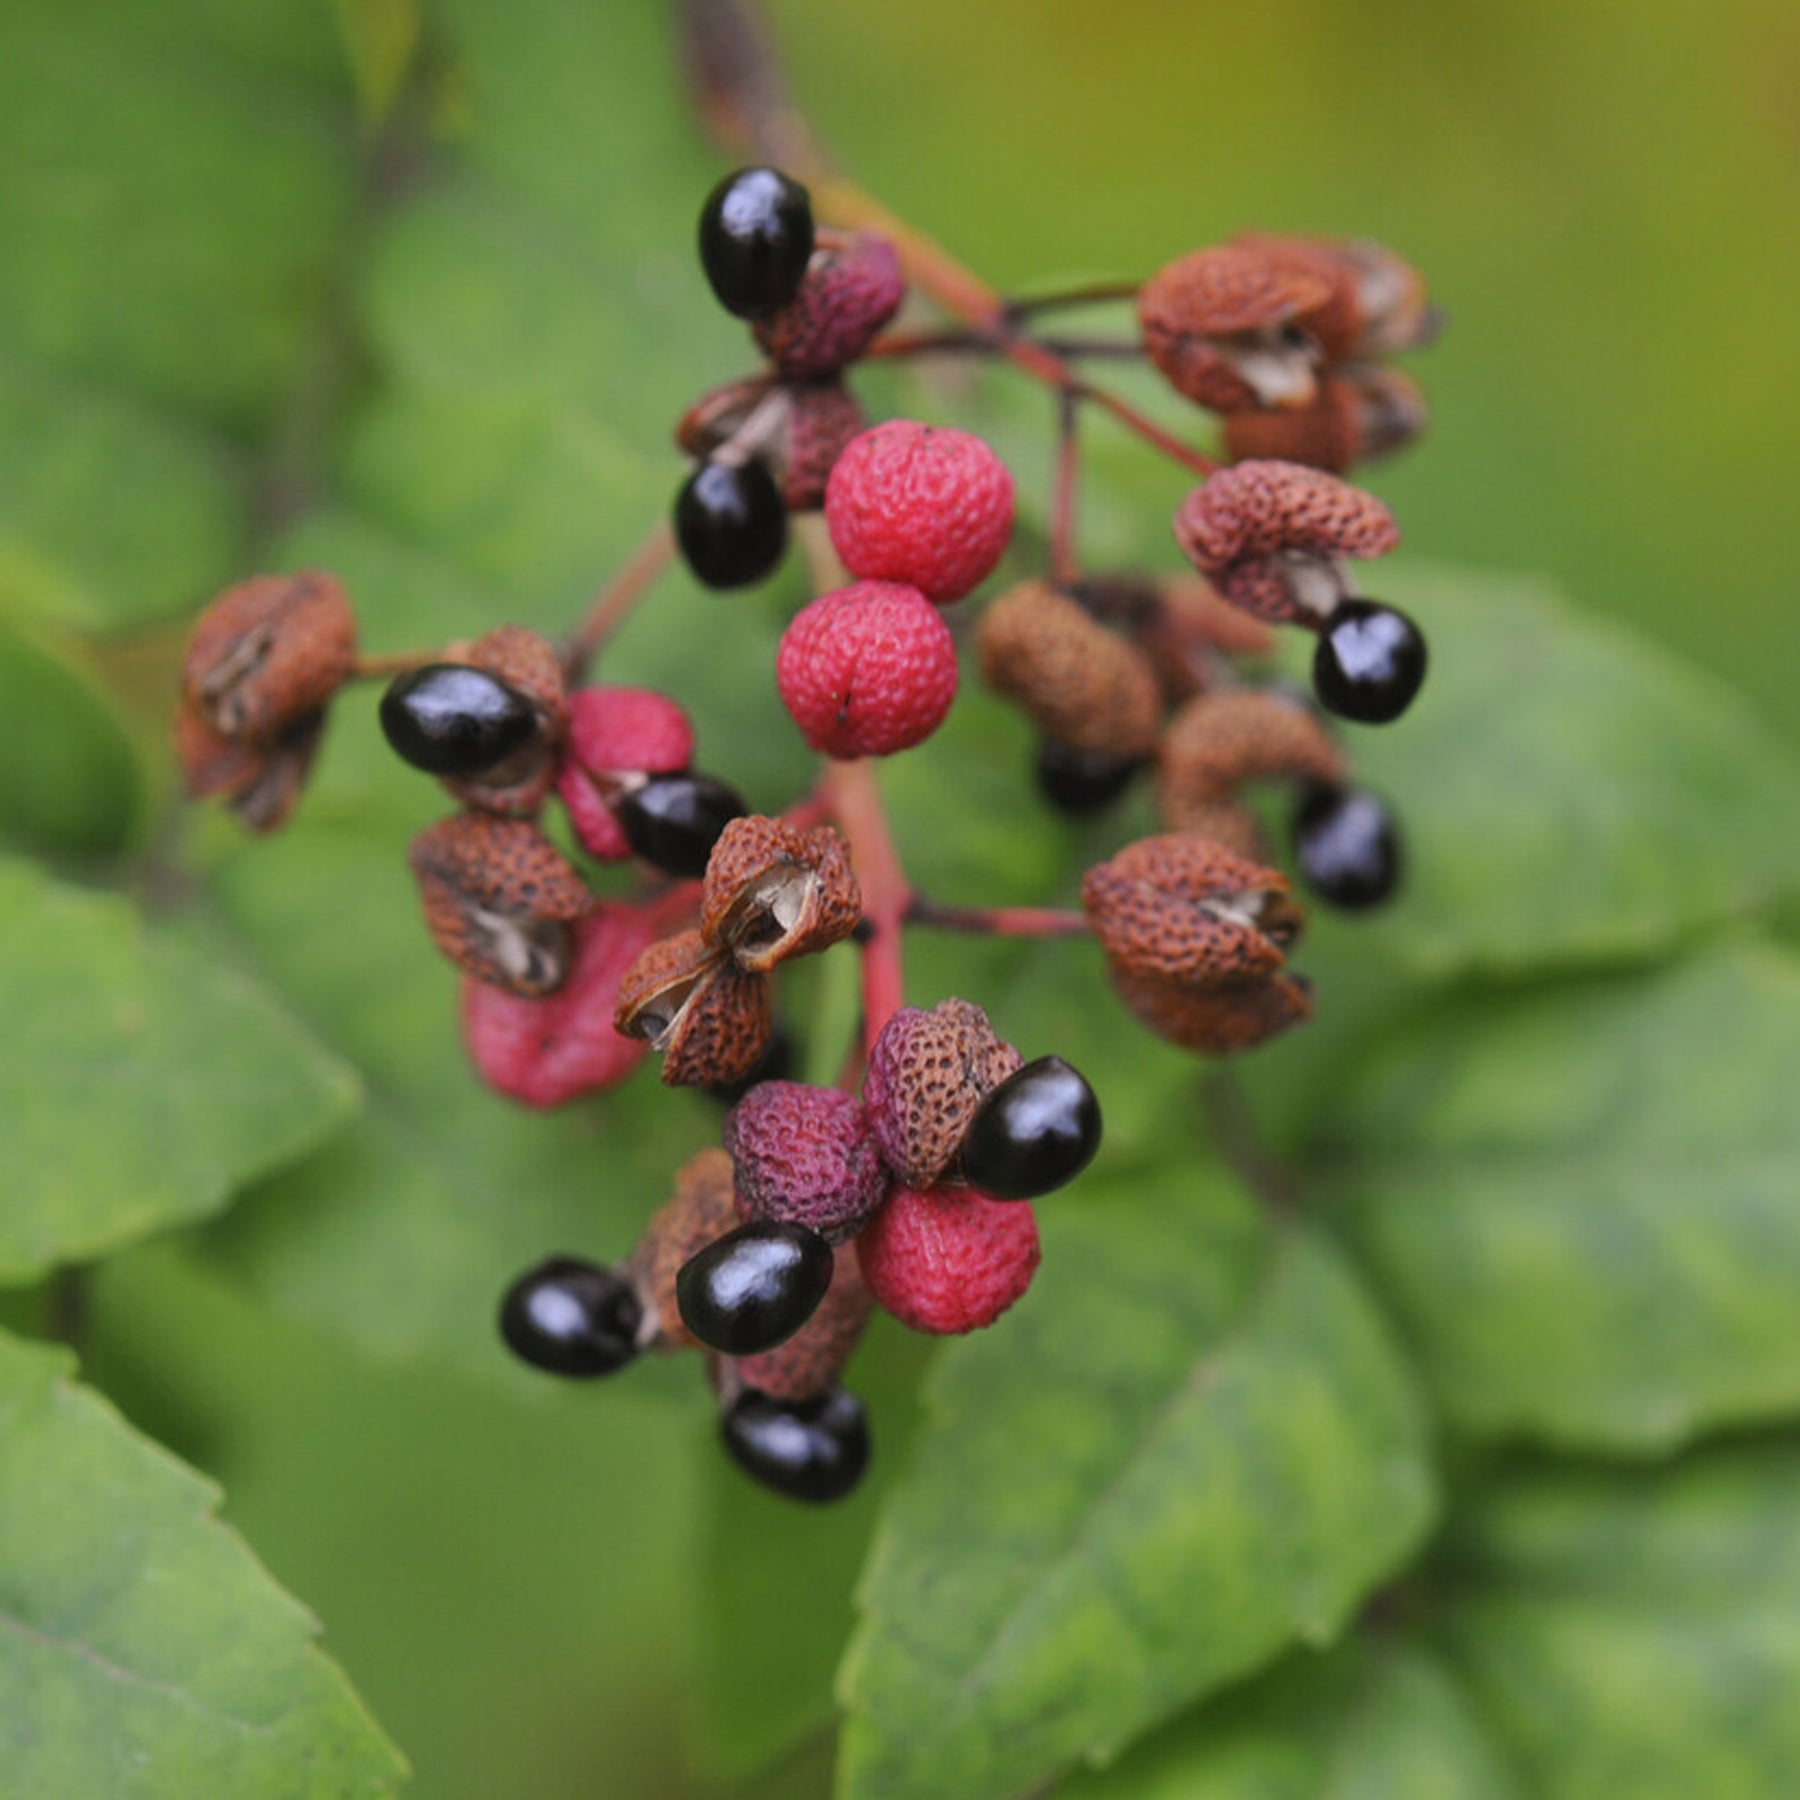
<point>1569,793</point>
<point>1580,1200</point>
<point>1358,1723</point>
<point>1191,1444</point>
<point>141,1081</point>
<point>70,781</point>
<point>144,1653</point>
<point>1634,1633</point>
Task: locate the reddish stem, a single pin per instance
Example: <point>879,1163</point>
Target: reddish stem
<point>856,803</point>
<point>609,608</point>
<point>998,921</point>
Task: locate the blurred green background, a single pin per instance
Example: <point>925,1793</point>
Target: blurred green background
<point>1606,198</point>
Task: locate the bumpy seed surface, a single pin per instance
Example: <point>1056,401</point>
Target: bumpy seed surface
<point>949,1259</point>
<point>867,670</point>
<point>928,505</point>
<point>849,292</point>
<point>805,1155</point>
<point>928,1075</point>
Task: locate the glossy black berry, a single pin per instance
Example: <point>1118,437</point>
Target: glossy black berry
<point>1346,846</point>
<point>673,821</point>
<point>1079,782</point>
<point>755,1287</point>
<point>1037,1130</point>
<point>776,1063</point>
<point>731,523</point>
<point>1370,662</point>
<point>450,719</point>
<point>813,1450</point>
<point>571,1317</point>
<point>756,238</point>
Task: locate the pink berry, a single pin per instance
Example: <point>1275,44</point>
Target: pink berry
<point>867,670</point>
<point>544,1052</point>
<point>804,1155</point>
<point>948,1259</point>
<point>923,504</point>
<point>616,733</point>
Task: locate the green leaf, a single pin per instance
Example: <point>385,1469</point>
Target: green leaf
<point>1569,793</point>
<point>141,1081</point>
<point>69,776</point>
<point>1361,1722</point>
<point>1192,1444</point>
<point>144,1653</point>
<point>1580,1200</point>
<point>1638,1634</point>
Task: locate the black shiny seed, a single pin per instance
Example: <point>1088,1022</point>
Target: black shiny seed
<point>776,1063</point>
<point>1346,846</point>
<point>673,821</point>
<point>450,719</point>
<point>755,1287</point>
<point>1078,782</point>
<point>756,238</point>
<point>731,523</point>
<point>813,1450</point>
<point>1369,664</point>
<point>571,1317</point>
<point>1037,1130</point>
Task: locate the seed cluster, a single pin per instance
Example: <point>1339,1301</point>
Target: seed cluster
<point>908,1183</point>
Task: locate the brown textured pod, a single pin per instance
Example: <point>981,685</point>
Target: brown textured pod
<point>499,898</point>
<point>260,782</point>
<point>268,654</point>
<point>1219,742</point>
<point>700,1212</point>
<point>1363,413</point>
<point>1272,536</point>
<point>853,286</point>
<point>1376,301</point>
<point>1217,1021</point>
<point>1226,328</point>
<point>529,664</point>
<point>663,979</point>
<point>1226,822</point>
<point>928,1075</point>
<point>773,891</point>
<point>812,1360</point>
<point>1076,681</point>
<point>722,1032</point>
<point>1183,909</point>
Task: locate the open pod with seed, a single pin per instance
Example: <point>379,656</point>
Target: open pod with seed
<point>1363,412</point>
<point>708,1019</point>
<point>811,1362</point>
<point>1274,537</point>
<point>1184,909</point>
<point>773,891</point>
<point>260,782</point>
<point>528,663</point>
<point>499,899</point>
<point>700,1212</point>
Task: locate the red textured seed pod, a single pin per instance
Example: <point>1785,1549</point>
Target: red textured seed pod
<point>810,1362</point>
<point>269,653</point>
<point>927,505</point>
<point>805,1155</point>
<point>1226,326</point>
<point>825,418</point>
<point>616,736</point>
<point>1273,536</point>
<point>1077,682</point>
<point>928,1075</point>
<point>550,1051</point>
<point>499,898</point>
<point>853,286</point>
<point>867,670</point>
<point>1183,909</point>
<point>773,891</point>
<point>700,1212</point>
<point>260,782</point>
<point>528,663</point>
<point>948,1259</point>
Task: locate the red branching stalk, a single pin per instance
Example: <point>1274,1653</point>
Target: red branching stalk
<point>857,806</point>
<point>997,921</point>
